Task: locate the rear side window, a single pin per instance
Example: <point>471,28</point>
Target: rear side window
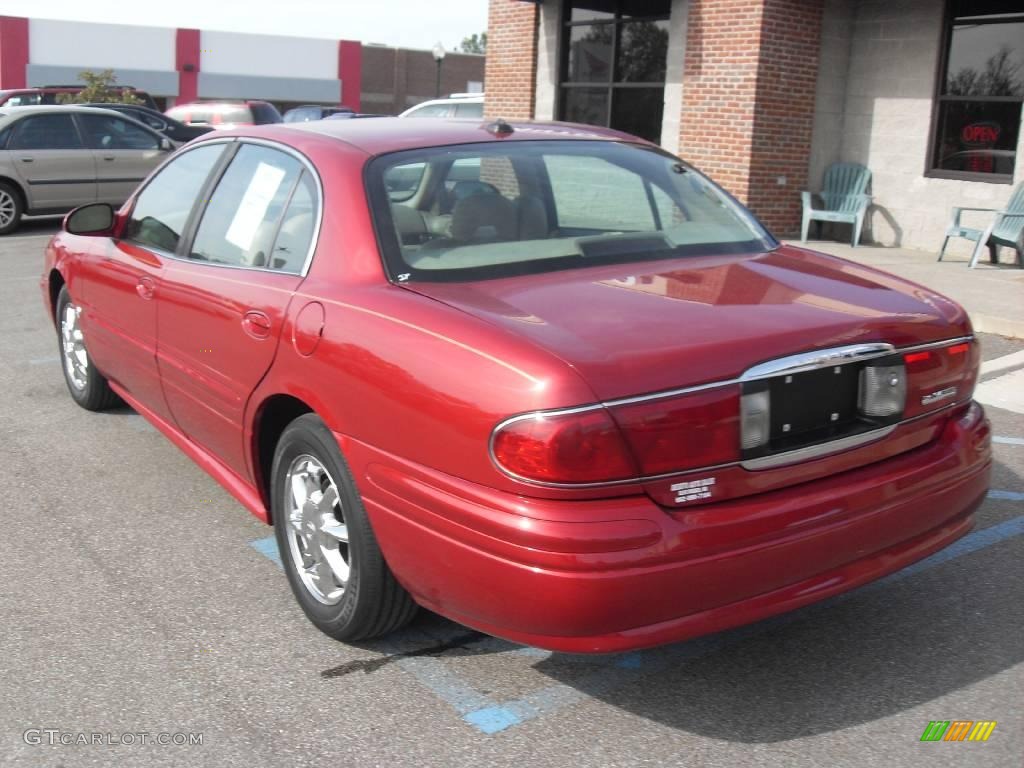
<point>109,132</point>
<point>45,132</point>
<point>24,100</point>
<point>296,234</point>
<point>469,110</point>
<point>431,110</point>
<point>241,222</point>
<point>163,207</point>
<point>152,121</point>
<point>263,114</point>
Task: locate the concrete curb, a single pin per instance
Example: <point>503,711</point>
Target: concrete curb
<point>1000,326</point>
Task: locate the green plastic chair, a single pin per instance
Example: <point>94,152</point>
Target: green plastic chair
<point>843,199</point>
<point>1006,228</point>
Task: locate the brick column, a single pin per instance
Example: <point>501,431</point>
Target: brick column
<point>749,79</point>
<point>13,51</point>
<point>188,63</point>
<point>510,73</point>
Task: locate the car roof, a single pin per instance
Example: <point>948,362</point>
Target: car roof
<point>31,109</point>
<point>393,134</point>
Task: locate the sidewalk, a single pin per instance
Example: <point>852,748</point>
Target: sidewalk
<point>992,295</point>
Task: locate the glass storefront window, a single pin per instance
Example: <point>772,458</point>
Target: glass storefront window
<point>613,66</point>
<point>980,93</point>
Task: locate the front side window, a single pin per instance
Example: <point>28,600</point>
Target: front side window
<point>241,222</point>
<point>45,132</point>
<point>162,208</point>
<point>109,132</point>
<point>302,114</point>
<point>484,211</point>
<point>980,92</point>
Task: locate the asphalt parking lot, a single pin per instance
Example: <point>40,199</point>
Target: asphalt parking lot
<point>137,598</point>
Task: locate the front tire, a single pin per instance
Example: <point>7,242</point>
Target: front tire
<point>86,385</point>
<point>329,551</point>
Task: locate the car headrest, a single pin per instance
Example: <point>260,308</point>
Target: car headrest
<point>485,217</point>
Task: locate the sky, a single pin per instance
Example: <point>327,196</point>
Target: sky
<point>403,23</point>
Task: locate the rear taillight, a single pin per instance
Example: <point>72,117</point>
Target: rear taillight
<point>581,447</point>
<point>699,429</point>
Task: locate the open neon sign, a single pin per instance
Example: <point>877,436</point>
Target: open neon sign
<point>980,134</point>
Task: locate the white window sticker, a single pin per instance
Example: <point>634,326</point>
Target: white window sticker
<point>693,490</point>
<point>253,208</point>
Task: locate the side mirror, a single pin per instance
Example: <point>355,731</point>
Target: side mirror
<point>166,144</point>
<point>91,219</point>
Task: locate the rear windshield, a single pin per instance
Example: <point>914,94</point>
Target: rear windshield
<point>494,210</point>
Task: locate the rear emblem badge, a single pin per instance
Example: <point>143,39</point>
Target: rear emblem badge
<point>693,490</point>
<point>941,394</point>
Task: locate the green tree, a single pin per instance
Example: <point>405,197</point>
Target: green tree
<point>474,43</point>
<point>100,87</point>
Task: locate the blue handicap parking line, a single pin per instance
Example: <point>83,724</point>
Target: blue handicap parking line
<point>489,716</point>
<point>268,548</point>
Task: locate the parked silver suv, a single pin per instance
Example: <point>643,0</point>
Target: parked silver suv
<point>55,158</point>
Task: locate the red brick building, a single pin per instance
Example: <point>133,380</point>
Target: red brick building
<point>764,94</point>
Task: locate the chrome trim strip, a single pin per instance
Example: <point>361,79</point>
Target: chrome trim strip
<point>817,451</point>
<point>669,393</point>
<point>812,361</point>
<point>751,373</point>
<point>701,388</point>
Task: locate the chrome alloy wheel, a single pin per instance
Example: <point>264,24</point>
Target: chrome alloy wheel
<point>8,208</point>
<point>317,533</point>
<point>76,359</point>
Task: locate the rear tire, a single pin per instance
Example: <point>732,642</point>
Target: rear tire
<point>329,551</point>
<point>11,208</point>
<point>86,385</point>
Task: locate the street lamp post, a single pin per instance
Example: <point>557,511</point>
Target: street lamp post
<point>439,53</point>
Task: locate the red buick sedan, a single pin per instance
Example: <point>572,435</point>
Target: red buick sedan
<point>546,380</point>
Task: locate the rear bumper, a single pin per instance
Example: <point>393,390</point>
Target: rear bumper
<point>619,574</point>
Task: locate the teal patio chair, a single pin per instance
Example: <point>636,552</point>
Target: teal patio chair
<point>843,198</point>
<point>1006,228</point>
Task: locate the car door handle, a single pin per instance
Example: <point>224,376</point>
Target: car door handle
<point>109,158</point>
<point>28,159</point>
<point>256,324</point>
<point>145,287</point>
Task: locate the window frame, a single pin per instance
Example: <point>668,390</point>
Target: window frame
<point>939,98</point>
<point>563,50</point>
<point>202,201</point>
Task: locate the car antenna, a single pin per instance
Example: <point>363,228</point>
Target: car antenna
<point>500,128</point>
